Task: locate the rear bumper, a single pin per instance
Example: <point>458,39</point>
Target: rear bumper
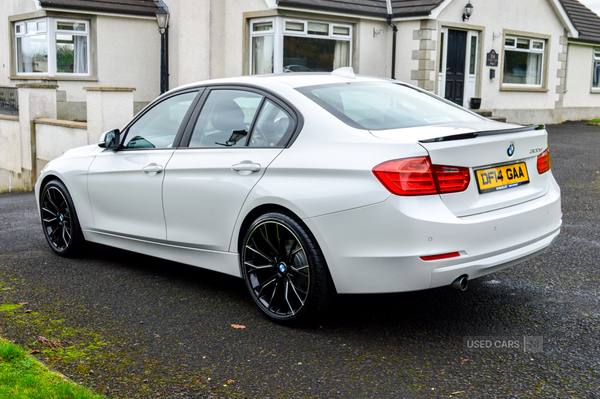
<point>377,249</point>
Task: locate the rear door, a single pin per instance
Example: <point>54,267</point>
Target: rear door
<point>237,134</point>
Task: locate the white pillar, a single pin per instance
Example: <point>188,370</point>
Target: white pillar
<point>36,100</point>
<point>108,108</point>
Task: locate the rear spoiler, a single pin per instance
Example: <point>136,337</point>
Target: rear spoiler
<point>466,136</point>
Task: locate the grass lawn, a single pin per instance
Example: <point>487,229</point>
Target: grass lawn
<point>594,122</point>
<point>23,377</point>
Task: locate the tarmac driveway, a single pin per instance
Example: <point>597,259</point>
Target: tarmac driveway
<point>132,326</point>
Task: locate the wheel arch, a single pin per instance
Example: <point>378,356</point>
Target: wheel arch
<point>261,210</point>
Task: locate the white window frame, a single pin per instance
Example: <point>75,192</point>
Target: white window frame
<point>51,32</point>
<point>531,49</point>
<point>279,31</point>
<point>595,66</point>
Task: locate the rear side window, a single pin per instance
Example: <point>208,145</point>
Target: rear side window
<point>380,106</point>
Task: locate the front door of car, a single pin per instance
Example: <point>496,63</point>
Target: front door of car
<point>237,135</point>
<point>125,186</point>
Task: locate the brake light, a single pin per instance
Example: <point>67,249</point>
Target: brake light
<point>417,176</point>
<point>543,161</point>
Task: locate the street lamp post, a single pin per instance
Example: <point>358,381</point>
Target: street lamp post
<point>162,19</point>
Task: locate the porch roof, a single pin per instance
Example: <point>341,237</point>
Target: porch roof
<point>585,21</point>
<point>400,8</point>
<point>130,7</point>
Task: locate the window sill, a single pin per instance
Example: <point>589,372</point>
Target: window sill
<point>524,88</point>
<point>595,91</point>
<point>55,78</point>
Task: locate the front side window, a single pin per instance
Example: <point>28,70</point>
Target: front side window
<point>286,45</point>
<point>158,127</point>
<point>523,61</point>
<point>52,47</point>
<point>596,71</point>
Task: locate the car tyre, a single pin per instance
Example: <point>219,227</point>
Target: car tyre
<point>285,270</point>
<point>59,220</point>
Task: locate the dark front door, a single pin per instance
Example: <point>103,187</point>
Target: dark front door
<point>455,66</point>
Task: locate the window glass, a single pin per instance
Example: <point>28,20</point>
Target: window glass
<point>158,127</point>
<point>378,106</point>
<point>315,28</point>
<point>67,43</point>
<point>294,26</point>
<point>32,54</point>
<point>441,52</point>
<point>71,54</point>
<point>225,119</point>
<point>341,30</point>
<point>523,43</point>
<point>273,127</point>
<point>307,46</point>
<point>262,26</point>
<point>596,71</point>
<point>70,25</point>
<point>305,54</point>
<point>472,55</point>
<point>523,62</point>
<point>262,55</point>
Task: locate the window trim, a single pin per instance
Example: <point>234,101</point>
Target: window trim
<point>51,18</point>
<point>595,59</point>
<point>279,31</point>
<point>543,86</point>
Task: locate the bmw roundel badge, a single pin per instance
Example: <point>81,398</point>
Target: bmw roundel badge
<point>511,149</point>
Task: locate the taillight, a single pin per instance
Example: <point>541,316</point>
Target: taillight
<point>543,161</point>
<point>417,176</point>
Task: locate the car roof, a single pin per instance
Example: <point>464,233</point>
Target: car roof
<point>292,79</point>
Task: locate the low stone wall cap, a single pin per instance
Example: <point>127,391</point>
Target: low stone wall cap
<point>108,88</point>
<point>36,86</point>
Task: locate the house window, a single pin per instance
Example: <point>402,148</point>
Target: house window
<point>596,72</point>
<point>53,47</point>
<point>523,61</point>
<point>290,45</point>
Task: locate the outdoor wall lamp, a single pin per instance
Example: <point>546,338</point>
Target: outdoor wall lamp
<point>162,19</point>
<point>468,11</point>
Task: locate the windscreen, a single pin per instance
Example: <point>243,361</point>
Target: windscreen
<point>385,105</point>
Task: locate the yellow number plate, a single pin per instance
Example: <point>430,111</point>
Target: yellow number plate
<point>502,177</point>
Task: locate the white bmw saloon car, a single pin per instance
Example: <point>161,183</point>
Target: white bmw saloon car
<point>306,185</point>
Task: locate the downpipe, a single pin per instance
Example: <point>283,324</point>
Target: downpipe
<point>460,283</point>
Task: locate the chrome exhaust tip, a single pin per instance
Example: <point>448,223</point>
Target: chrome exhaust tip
<point>460,283</point>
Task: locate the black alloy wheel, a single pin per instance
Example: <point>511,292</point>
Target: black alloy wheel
<point>59,220</point>
<point>284,270</point>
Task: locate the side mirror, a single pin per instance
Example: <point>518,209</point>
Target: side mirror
<point>110,140</point>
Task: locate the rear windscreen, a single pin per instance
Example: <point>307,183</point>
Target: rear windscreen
<point>385,105</point>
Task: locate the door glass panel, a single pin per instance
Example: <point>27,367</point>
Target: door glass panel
<point>472,59</point>
<point>225,119</point>
<point>273,127</point>
<point>158,127</point>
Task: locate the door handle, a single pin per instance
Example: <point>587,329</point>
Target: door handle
<point>152,169</point>
<point>247,167</point>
